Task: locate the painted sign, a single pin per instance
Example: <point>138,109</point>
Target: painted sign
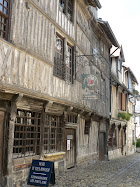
<point>89,86</point>
<point>40,173</point>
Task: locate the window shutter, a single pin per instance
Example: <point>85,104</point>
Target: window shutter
<point>123,102</point>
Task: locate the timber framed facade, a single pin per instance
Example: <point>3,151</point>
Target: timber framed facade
<point>42,111</point>
<point>121,132</point>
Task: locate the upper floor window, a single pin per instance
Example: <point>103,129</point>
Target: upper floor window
<point>4,14</point>
<point>59,57</point>
<point>102,47</point>
<point>63,68</point>
<point>119,65</point>
<point>69,63</point>
<point>122,101</point>
<point>103,91</point>
<point>67,8</point>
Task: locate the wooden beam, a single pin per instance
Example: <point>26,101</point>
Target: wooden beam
<point>48,105</point>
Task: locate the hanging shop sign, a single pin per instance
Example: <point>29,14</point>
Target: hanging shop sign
<point>90,86</point>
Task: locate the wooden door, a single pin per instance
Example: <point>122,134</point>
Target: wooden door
<point>101,146</point>
<point>1,142</point>
<point>70,142</point>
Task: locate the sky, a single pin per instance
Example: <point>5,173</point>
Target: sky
<point>124,19</point>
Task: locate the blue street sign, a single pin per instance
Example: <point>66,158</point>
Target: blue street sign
<point>40,173</point>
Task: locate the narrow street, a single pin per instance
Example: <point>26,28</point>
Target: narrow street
<point>122,172</point>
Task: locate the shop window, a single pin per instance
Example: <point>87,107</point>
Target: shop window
<point>53,131</point>
<point>26,134</point>
<point>112,137</point>
<point>4,16</point>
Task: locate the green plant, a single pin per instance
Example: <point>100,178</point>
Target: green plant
<point>136,92</point>
<point>134,143</point>
<point>138,143</point>
<point>124,116</point>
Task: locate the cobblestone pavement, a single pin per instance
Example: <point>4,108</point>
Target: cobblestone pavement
<point>122,172</point>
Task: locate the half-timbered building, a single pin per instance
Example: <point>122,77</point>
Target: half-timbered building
<point>121,135</point>
<point>54,85</point>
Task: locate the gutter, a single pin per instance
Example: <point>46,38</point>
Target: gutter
<point>107,29</point>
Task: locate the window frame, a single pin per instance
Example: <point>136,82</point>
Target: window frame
<point>27,134</point>
<point>70,66</point>
<point>6,17</point>
<point>53,133</point>
<point>102,47</point>
<point>64,67</point>
<point>87,126</point>
<point>66,8</point>
<point>119,65</point>
<point>71,118</point>
<point>58,61</point>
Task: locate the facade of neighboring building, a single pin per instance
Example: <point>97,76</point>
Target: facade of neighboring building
<point>137,121</point>
<point>52,53</point>
<point>122,128</point>
<point>130,82</point>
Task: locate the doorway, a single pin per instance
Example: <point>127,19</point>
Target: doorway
<point>70,142</point>
<point>101,146</point>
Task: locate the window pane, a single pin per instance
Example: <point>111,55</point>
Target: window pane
<point>5,4</point>
<point>3,18</point>
<point>1,8</point>
<point>59,57</point>
<point>69,64</point>
<point>70,9</point>
<point>27,134</point>
<point>53,134</point>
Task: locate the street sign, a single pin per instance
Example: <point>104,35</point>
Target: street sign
<point>40,173</point>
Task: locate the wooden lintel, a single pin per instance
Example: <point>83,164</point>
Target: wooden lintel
<point>69,109</point>
<point>96,118</point>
